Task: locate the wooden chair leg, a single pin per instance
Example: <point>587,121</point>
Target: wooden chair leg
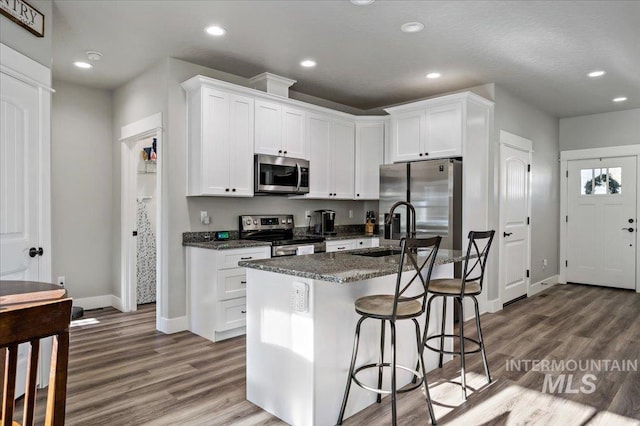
<point>57,396</point>
<point>8,394</point>
<point>32,380</point>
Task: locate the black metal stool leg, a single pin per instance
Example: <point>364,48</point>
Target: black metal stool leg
<point>422,368</point>
<point>426,330</point>
<point>381,361</point>
<point>463,378</point>
<point>444,317</point>
<point>392,326</point>
<point>354,355</point>
<point>481,341</point>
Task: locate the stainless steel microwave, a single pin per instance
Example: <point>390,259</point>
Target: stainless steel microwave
<point>280,175</point>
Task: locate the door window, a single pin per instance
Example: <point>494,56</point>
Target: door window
<point>601,181</point>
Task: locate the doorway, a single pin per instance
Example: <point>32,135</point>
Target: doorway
<point>515,214</point>
<point>141,214</point>
<point>601,221</point>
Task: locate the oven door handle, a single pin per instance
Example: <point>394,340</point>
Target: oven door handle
<point>299,176</point>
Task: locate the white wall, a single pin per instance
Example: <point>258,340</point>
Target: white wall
<point>517,116</point>
<point>81,183</point>
<point>600,130</point>
<point>37,48</point>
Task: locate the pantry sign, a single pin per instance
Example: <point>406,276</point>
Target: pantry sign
<point>23,14</point>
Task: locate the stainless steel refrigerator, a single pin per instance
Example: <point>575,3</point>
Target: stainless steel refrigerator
<point>434,188</point>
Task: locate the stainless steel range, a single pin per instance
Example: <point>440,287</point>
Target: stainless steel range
<point>278,230</point>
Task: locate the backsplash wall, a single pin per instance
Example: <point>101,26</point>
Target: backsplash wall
<point>224,212</point>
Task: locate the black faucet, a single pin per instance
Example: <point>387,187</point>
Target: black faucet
<point>410,210</point>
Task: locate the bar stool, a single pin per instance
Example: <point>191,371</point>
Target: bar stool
<point>393,307</point>
<point>470,285</point>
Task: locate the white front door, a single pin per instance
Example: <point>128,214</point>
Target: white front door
<point>601,221</point>
<point>514,235</point>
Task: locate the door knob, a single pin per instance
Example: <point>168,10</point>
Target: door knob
<point>506,234</point>
<point>33,252</point>
<point>628,229</point>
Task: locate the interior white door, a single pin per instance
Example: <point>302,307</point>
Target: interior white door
<point>601,221</point>
<point>19,190</point>
<point>515,199</point>
<point>19,185</point>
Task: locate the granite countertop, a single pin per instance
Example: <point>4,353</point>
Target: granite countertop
<point>349,236</point>
<point>204,239</point>
<point>343,267</point>
<point>226,244</point>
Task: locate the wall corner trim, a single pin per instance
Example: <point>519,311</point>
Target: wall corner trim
<point>173,325</point>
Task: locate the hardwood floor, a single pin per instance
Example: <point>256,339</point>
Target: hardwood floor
<point>123,372</point>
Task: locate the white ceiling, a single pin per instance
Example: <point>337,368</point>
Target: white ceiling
<point>540,51</point>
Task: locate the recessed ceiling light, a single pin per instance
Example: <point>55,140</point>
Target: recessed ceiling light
<point>412,27</point>
<point>434,75</point>
<point>83,65</point>
<point>596,73</point>
<point>620,99</point>
<point>215,30</point>
<point>308,63</point>
<point>362,2</point>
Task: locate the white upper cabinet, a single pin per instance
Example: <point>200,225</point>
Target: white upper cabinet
<point>427,129</point>
<point>369,157</point>
<point>331,147</point>
<point>220,142</point>
<point>342,160</point>
<point>279,130</point>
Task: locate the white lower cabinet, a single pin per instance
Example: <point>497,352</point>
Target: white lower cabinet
<point>353,244</point>
<point>216,289</point>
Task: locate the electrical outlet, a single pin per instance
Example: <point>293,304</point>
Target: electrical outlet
<point>61,280</point>
<point>350,214</point>
<point>204,218</point>
<point>544,264</point>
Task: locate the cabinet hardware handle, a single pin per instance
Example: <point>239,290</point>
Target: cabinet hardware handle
<point>420,154</point>
<point>624,229</point>
<point>243,312</point>
<point>279,151</point>
<point>246,258</point>
<point>285,152</point>
<point>341,248</point>
<point>506,234</point>
<point>357,195</point>
<point>243,282</point>
<point>226,190</point>
<point>426,153</point>
<point>233,190</point>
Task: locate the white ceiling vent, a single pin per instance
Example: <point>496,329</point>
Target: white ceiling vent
<point>272,83</point>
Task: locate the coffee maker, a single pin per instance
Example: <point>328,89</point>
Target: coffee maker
<point>324,222</point>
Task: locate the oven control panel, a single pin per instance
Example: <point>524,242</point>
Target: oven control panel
<point>266,222</point>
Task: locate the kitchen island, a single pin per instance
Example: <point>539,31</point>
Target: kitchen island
<point>300,328</point>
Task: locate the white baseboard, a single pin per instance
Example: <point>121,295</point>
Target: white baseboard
<point>536,288</point>
<point>116,302</point>
<point>172,325</point>
<point>94,302</point>
<point>494,306</point>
